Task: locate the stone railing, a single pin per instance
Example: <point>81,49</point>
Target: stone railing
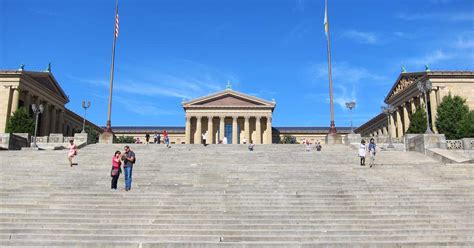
<point>454,145</point>
<point>461,144</point>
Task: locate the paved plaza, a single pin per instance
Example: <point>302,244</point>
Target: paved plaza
<point>224,195</point>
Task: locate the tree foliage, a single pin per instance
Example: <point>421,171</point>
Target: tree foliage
<point>418,121</point>
<point>288,139</point>
<point>124,140</point>
<point>20,122</point>
<point>466,126</point>
<point>92,135</point>
<point>451,111</point>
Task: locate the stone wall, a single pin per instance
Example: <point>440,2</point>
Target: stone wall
<point>10,141</point>
<point>422,142</point>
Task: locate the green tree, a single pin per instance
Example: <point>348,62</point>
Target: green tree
<point>466,126</point>
<point>92,135</point>
<point>124,140</point>
<point>288,139</point>
<point>20,122</point>
<point>451,111</point>
<point>418,121</point>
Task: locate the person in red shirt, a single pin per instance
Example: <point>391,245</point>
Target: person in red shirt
<point>115,173</point>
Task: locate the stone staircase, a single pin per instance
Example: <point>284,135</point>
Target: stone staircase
<point>226,196</point>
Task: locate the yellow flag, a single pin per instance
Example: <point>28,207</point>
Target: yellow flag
<point>326,25</point>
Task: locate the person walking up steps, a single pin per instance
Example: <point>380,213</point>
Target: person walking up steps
<point>72,152</point>
<point>372,151</point>
<point>128,159</point>
<point>362,152</point>
<point>166,139</point>
<point>115,172</point>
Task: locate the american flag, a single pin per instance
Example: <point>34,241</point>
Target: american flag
<point>116,25</point>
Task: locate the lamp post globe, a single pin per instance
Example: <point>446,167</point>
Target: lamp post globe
<point>350,105</point>
<point>37,110</point>
<point>425,87</point>
<point>85,106</point>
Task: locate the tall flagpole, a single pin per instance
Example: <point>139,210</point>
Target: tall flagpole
<point>108,127</point>
<point>332,128</point>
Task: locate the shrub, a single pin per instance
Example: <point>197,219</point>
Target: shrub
<point>92,135</point>
<point>466,126</point>
<point>451,111</point>
<point>418,121</point>
<point>20,122</point>
<point>288,139</point>
<point>124,140</point>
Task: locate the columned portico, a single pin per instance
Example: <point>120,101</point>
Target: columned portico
<point>237,116</point>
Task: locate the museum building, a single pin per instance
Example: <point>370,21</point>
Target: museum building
<point>20,88</point>
<point>406,97</point>
<point>231,114</point>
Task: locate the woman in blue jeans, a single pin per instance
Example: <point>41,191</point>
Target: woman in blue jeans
<point>128,161</point>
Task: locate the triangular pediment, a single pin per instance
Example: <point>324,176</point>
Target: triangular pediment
<point>46,79</point>
<point>228,98</point>
<point>404,81</point>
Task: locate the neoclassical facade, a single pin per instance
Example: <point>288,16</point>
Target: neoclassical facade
<point>230,114</point>
<point>20,88</point>
<point>405,97</point>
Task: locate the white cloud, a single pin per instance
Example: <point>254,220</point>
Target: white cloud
<point>443,17</point>
<point>300,5</point>
<point>431,58</point>
<point>143,108</point>
<point>345,72</point>
<point>361,37</point>
<point>463,43</point>
<point>183,79</point>
<point>346,78</point>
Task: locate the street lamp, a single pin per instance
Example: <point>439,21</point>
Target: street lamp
<point>388,110</point>
<point>425,88</point>
<point>37,110</point>
<point>85,106</point>
<point>350,106</point>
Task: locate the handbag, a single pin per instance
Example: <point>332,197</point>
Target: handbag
<point>114,172</point>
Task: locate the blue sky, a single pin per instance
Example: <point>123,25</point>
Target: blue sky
<point>170,50</point>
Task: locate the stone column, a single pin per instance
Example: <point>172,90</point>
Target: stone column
<point>269,139</point>
<point>385,130</point>
<point>187,130</point>
<point>247,129</point>
<point>197,135</point>
<point>61,121</point>
<point>45,120</point>
<point>27,101</point>
<point>406,120</point>
<point>399,123</point>
<point>412,106</point>
<point>234,130</point>
<point>392,128</point>
<point>422,102</point>
<point>15,100</point>
<point>258,130</point>
<point>434,109</point>
<point>222,127</point>
<point>210,130</point>
<point>52,128</point>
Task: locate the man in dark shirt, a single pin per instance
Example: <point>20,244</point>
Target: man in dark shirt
<point>128,161</point>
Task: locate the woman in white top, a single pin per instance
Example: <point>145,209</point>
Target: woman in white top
<point>362,152</point>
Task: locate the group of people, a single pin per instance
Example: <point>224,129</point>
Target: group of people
<point>157,138</point>
<point>367,149</point>
<point>128,158</point>
<point>308,146</point>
